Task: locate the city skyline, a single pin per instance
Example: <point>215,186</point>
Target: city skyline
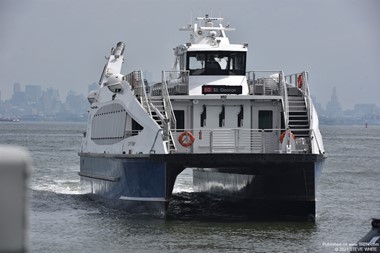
<point>336,41</point>
<point>35,103</point>
<point>333,102</point>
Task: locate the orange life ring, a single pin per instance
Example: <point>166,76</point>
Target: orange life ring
<point>188,140</point>
<point>299,81</point>
<point>283,135</point>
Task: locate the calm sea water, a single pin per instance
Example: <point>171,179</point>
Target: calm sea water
<point>61,219</point>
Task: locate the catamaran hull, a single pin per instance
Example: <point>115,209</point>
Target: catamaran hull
<point>269,189</point>
<point>136,185</point>
<point>262,183</point>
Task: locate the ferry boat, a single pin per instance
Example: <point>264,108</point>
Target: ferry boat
<point>249,136</point>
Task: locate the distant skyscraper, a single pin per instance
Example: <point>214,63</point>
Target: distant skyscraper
<point>16,88</point>
<point>50,101</point>
<point>33,93</point>
<point>18,96</point>
<point>333,107</point>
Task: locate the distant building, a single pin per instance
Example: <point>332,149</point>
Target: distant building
<point>18,98</point>
<point>333,107</point>
<point>51,103</point>
<point>318,106</point>
<point>75,104</point>
<point>16,88</point>
<point>33,93</point>
<point>365,109</point>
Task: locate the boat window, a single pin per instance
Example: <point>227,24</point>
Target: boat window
<point>180,119</point>
<point>216,63</point>
<point>136,127</point>
<point>266,120</point>
<point>222,117</point>
<point>240,117</point>
<point>203,116</point>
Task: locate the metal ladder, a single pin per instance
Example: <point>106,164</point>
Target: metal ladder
<point>153,105</point>
<point>298,116</point>
<point>157,107</point>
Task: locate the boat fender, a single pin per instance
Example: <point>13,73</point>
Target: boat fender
<point>299,82</point>
<point>186,139</point>
<point>283,135</point>
<point>200,135</point>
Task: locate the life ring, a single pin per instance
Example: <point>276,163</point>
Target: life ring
<point>282,136</point>
<point>299,81</point>
<point>188,140</point>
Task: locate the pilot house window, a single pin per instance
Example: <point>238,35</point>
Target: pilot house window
<point>216,63</point>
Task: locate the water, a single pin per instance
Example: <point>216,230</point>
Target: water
<point>61,219</point>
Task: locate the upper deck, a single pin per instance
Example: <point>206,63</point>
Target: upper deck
<point>210,94</point>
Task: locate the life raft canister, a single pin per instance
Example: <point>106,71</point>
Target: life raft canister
<point>299,81</point>
<point>282,136</point>
<point>186,139</point>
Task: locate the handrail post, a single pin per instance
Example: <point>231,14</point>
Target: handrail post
<point>211,140</point>
<point>236,140</point>
<point>262,141</point>
<point>285,97</point>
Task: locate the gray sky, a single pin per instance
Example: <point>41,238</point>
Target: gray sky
<point>62,44</point>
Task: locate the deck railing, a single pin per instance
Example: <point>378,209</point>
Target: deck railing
<point>269,83</point>
<point>265,82</point>
<point>238,141</point>
<point>137,83</point>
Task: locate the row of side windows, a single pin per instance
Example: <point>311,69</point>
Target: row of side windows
<point>265,119</point>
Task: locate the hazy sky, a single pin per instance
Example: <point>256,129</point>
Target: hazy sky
<point>62,44</point>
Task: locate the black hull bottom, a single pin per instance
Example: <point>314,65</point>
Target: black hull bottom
<point>271,184</point>
<point>199,206</point>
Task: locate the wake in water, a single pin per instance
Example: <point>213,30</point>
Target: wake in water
<point>60,186</point>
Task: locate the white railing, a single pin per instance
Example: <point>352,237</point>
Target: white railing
<point>167,103</point>
<point>237,141</point>
<point>177,82</point>
<point>265,82</point>
<point>269,83</point>
<point>136,81</point>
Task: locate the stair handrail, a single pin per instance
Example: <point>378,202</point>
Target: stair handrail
<point>306,92</point>
<point>158,113</point>
<point>167,103</point>
<point>171,121</point>
<point>285,98</point>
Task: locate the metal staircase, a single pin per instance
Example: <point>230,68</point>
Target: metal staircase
<point>159,114</point>
<point>298,114</point>
<point>156,106</point>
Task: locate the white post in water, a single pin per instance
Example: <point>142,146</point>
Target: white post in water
<point>15,165</point>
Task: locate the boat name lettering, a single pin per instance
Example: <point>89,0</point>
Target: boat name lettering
<point>221,89</point>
